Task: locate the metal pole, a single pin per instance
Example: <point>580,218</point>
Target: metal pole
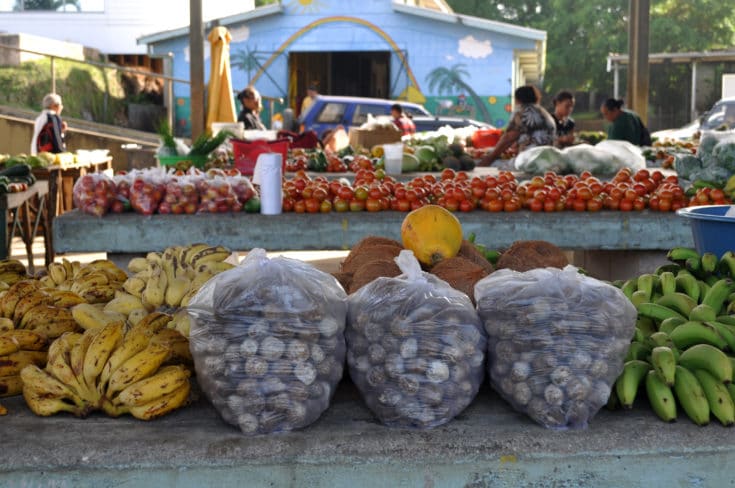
<point>694,91</point>
<point>168,92</point>
<point>638,75</point>
<point>616,80</point>
<point>196,67</point>
<point>53,76</point>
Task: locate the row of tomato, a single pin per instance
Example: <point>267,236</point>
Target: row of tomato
<point>457,191</point>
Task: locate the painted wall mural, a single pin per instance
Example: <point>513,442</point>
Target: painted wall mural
<point>449,67</point>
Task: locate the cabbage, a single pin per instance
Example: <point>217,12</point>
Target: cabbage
<point>538,160</point>
<point>724,154</point>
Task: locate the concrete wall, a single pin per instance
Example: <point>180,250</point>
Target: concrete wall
<point>11,57</point>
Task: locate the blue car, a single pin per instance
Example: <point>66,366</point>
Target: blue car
<point>327,112</point>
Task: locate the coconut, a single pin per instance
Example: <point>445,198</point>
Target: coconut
<point>372,270</point>
<point>468,251</point>
<point>461,274</point>
<point>369,254</point>
<point>526,255</point>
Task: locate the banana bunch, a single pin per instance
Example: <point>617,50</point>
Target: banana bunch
<point>95,282</point>
<point>18,349</point>
<point>105,368</point>
<point>170,279</point>
<point>30,307</point>
<point>684,333</point>
<point>11,271</point>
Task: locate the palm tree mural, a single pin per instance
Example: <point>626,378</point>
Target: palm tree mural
<point>247,60</point>
<point>452,80</point>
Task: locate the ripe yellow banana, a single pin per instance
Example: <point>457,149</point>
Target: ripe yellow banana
<point>113,272</point>
<point>6,325</point>
<point>59,362</point>
<point>214,267</point>
<point>137,315</point>
<point>162,405</point>
<point>28,302</point>
<point>176,343</point>
<point>11,385</point>
<point>189,252</point>
<point>136,265</point>
<point>70,267</point>
<point>13,363</point>
<point>154,258</point>
<point>47,283</point>
<point>93,279</point>
<point>175,291</point>
<point>8,345</point>
<point>57,272</point>
<point>90,317</point>
<point>137,367</point>
<point>154,293</point>
<point>12,266</point>
<point>25,339</point>
<point>44,406</point>
<point>38,380</point>
<point>210,254</point>
<point>167,380</point>
<point>181,322</point>
<point>123,303</point>
<point>76,361</point>
<point>135,286</point>
<point>99,294</point>
<point>65,298</point>
<point>99,351</point>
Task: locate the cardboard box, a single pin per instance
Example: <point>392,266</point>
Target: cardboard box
<point>369,138</point>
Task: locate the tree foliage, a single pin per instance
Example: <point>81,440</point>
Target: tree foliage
<point>581,34</point>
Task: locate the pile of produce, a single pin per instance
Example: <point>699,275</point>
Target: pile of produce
<point>73,300</point>
<point>41,160</point>
<point>415,347</point>
<point>268,342</point>
<point>162,191</point>
<point>684,339</point>
<point>16,178</point>
<point>714,162</point>
<point>603,159</point>
<point>556,341</point>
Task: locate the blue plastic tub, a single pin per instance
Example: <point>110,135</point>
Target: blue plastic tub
<point>712,230</point>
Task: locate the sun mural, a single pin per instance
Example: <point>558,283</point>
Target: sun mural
<point>306,6</point>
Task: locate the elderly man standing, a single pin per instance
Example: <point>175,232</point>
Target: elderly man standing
<point>48,129</point>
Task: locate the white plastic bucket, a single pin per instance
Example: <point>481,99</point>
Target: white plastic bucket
<point>393,156</point>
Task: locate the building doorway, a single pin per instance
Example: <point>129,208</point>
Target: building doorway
<point>345,73</point>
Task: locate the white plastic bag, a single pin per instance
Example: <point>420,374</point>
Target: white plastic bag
<point>268,343</point>
<point>630,155</point>
<point>415,347</point>
<point>556,341</point>
<point>539,160</point>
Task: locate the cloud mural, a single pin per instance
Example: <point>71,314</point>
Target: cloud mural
<point>474,48</point>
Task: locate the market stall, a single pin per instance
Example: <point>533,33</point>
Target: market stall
<point>29,212</point>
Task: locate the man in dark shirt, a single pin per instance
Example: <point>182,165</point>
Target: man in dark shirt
<point>401,120</point>
<point>563,107</point>
<point>249,115</point>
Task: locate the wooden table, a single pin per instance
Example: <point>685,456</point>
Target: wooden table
<point>61,182</point>
<point>27,209</point>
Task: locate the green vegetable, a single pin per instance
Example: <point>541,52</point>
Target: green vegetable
<point>252,205</point>
<point>167,135</point>
<point>410,163</point>
<point>317,162</point>
<point>204,144</point>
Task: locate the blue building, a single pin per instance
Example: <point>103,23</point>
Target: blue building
<point>415,50</point>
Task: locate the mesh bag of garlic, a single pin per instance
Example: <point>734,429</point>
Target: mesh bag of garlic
<point>556,341</point>
<point>268,342</point>
<point>415,347</point>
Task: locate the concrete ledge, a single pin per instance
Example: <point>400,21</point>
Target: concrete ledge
<point>488,445</point>
<point>133,233</point>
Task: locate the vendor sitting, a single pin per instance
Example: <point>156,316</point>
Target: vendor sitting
<point>530,125</point>
<point>251,107</point>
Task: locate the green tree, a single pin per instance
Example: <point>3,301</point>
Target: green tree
<point>451,80</point>
<point>45,4</point>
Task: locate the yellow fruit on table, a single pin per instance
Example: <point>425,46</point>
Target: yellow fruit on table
<point>377,151</point>
<point>433,233</point>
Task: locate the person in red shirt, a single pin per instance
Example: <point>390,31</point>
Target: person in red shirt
<point>402,121</point>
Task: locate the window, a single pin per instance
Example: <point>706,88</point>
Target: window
<point>362,111</point>
<point>721,114</point>
<point>52,5</point>
<point>415,110</point>
<point>332,113</point>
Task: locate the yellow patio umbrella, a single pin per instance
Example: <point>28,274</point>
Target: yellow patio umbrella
<point>220,104</point>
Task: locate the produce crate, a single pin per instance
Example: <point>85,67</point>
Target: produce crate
<point>713,230</point>
<point>245,153</point>
<point>197,161</point>
<point>369,138</point>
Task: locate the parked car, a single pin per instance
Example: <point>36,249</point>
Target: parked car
<point>721,114</point>
<point>327,112</point>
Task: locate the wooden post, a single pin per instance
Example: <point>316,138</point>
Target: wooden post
<point>196,67</point>
<point>638,76</point>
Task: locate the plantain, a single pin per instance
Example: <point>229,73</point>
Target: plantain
<point>13,363</point>
<point>166,380</point>
<point>162,405</point>
<point>136,368</point>
<point>11,385</point>
<point>99,351</point>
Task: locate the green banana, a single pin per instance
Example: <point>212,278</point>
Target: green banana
<point>664,364</point>
<point>709,263</point>
<point>630,379</point>
<point>717,294</point>
<point>670,324</point>
<point>657,312</point>
<point>726,319</point>
<point>703,313</point>
<point>681,302</point>
<point>731,391</point>
<point>629,287</point>
<point>686,283</point>
<point>612,402</point>
<point>646,284</point>
<point>680,254</point>
<point>638,297</point>
<point>718,397</point>
<point>727,332</point>
<point>668,282</point>
<point>708,358</point>
<point>703,289</point>
<point>667,268</point>
<point>691,396</point>
<point>660,339</point>
<point>710,279</point>
<point>693,333</point>
<point>660,397</point>
<point>694,266</point>
<point>646,326</point>
<point>730,308</point>
<point>638,350</point>
<point>638,335</point>
<point>727,264</point>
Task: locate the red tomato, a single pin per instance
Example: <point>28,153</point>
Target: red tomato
<point>325,206</point>
<point>320,194</point>
<point>299,206</point>
<point>357,205</point>
<point>626,205</point>
<point>639,204</point>
<point>536,205</point>
<point>594,205</point>
<point>511,205</point>
<point>403,205</point>
<point>341,205</point>
<point>549,205</point>
<point>495,205</point>
<point>579,205</point>
<point>361,193</point>
<point>447,174</point>
<point>466,206</point>
<point>372,205</point>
